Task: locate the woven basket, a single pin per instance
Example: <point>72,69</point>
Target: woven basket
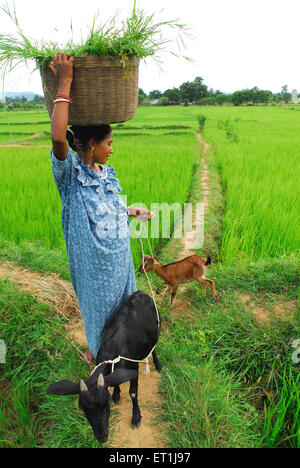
<point>104,90</point>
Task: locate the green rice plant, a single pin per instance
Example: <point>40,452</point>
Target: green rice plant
<point>259,180</point>
<point>251,352</point>
<point>139,35</point>
<point>31,208</point>
<point>203,406</point>
<point>282,415</point>
<point>21,404</point>
<point>201,121</point>
<point>230,129</point>
<point>5,437</point>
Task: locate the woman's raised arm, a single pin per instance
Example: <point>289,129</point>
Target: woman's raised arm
<point>62,68</point>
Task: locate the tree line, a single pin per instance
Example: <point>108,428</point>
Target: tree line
<point>197,92</point>
<point>11,103</point>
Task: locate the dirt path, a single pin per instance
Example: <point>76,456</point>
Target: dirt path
<point>59,293</point>
<point>181,305</point>
<point>52,290</point>
<point>24,144</point>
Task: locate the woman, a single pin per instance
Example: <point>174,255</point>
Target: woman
<point>94,217</point>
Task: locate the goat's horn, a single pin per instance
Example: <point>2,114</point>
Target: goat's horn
<point>100,382</point>
<point>83,387</point>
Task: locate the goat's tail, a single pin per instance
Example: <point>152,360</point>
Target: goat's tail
<point>208,261</point>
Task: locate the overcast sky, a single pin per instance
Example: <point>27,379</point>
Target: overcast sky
<point>238,43</point>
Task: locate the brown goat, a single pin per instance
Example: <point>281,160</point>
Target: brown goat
<point>189,269</point>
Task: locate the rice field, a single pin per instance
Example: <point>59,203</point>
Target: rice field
<point>154,158</point>
<point>153,166</point>
<point>243,386</point>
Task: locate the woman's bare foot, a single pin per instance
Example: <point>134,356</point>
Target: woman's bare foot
<point>88,357</point>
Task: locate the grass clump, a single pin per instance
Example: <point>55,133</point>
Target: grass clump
<point>38,354</point>
<point>204,406</point>
<point>255,354</point>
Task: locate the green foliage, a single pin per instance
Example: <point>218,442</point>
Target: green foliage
<point>42,199</point>
<point>282,414</point>
<point>201,121</point>
<point>193,91</point>
<point>208,101</point>
<point>139,36</point>
<point>38,353</point>
<point>231,130</point>
<point>164,101</point>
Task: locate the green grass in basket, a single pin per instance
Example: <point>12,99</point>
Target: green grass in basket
<point>139,36</point>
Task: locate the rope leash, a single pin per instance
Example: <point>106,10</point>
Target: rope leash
<point>145,360</point>
<point>139,236</point>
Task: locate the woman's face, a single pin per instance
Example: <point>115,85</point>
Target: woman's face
<point>103,150</point>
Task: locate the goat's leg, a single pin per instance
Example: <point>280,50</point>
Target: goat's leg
<point>174,292</point>
<point>209,282</point>
<point>116,394</point>
<point>133,392</point>
<point>157,364</point>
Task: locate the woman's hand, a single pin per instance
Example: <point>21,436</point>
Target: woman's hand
<point>62,67</point>
<point>141,213</point>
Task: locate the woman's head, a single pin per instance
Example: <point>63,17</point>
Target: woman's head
<point>93,144</point>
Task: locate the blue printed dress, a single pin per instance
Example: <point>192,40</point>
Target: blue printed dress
<point>97,234</point>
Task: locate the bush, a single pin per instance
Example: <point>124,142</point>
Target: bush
<point>164,101</point>
<point>201,121</point>
<point>208,101</point>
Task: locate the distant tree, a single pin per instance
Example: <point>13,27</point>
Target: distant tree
<point>255,95</point>
<point>200,89</point>
<point>237,98</point>
<point>207,101</point>
<point>142,96</point>
<point>142,92</point>
<point>266,96</point>
<point>217,93</point>
<point>173,95</point>
<point>164,101</point>
<point>220,99</point>
<point>156,94</point>
<point>38,99</point>
<point>186,91</point>
<point>286,96</point>
<point>193,91</point>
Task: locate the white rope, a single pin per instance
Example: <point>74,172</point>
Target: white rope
<point>157,313</point>
<point>118,359</point>
<point>145,360</point>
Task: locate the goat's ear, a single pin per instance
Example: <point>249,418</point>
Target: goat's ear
<point>63,387</point>
<point>119,376</point>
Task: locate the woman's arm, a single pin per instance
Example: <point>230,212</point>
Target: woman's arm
<point>62,68</point>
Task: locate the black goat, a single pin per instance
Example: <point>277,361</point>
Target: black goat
<point>131,332</point>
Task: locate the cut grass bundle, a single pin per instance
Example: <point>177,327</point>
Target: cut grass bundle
<point>105,84</point>
<point>139,35</point>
